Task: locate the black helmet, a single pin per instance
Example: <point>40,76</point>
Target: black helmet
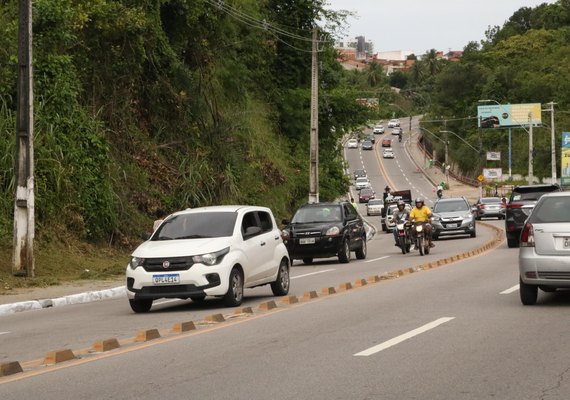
<point>387,188</point>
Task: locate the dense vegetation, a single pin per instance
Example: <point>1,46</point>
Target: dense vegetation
<point>147,104</point>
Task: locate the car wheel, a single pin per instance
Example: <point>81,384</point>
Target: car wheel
<point>281,285</point>
<point>307,260</point>
<point>528,293</point>
<point>198,299</point>
<point>361,252</point>
<point>140,305</point>
<point>234,295</point>
<point>474,233</point>
<point>344,253</point>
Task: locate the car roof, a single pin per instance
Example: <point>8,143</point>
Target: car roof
<point>324,204</point>
<point>449,199</point>
<point>535,188</point>
<point>222,208</point>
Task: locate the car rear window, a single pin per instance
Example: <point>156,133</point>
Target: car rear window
<point>551,210</point>
<point>490,200</point>
<point>451,206</point>
<point>532,193</point>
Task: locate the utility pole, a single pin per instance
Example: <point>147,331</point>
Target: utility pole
<point>447,167</point>
<point>552,142</point>
<point>314,145</point>
<point>530,149</point>
<point>23,256</point>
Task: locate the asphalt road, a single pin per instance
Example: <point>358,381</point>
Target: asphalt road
<point>453,332</point>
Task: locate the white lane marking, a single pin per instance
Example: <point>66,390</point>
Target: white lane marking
<point>311,273</point>
<point>4,333</point>
<point>376,259</point>
<point>510,290</point>
<point>405,336</point>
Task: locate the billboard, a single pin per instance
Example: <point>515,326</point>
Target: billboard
<point>565,162</point>
<point>508,115</point>
<point>493,156</point>
<point>492,173</point>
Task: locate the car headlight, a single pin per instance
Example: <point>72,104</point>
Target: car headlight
<point>435,219</point>
<point>136,262</point>
<point>211,258</point>
<point>468,216</point>
<point>334,231</point>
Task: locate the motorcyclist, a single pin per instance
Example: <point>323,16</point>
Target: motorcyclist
<point>399,136</point>
<point>422,213</point>
<point>439,191</point>
<point>399,214</point>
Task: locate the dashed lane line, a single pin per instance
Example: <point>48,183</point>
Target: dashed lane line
<point>4,333</point>
<point>312,273</point>
<point>399,339</point>
<point>510,290</point>
<point>376,259</point>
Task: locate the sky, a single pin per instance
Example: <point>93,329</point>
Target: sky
<point>421,25</point>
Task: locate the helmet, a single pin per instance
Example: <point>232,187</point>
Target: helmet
<point>387,188</point>
<point>401,203</point>
<point>419,200</point>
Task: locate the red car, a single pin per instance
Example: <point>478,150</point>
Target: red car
<point>386,142</point>
<point>365,195</point>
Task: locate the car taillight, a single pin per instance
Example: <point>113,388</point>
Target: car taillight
<point>527,236</point>
<point>514,206</point>
<point>481,206</point>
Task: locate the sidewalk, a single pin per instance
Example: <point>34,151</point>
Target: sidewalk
<point>435,175</point>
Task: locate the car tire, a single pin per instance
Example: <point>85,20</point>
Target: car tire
<point>234,295</point>
<point>528,293</point>
<point>361,252</point>
<point>474,233</point>
<point>307,260</point>
<point>140,305</point>
<point>344,252</point>
<point>198,299</point>
<point>281,285</point>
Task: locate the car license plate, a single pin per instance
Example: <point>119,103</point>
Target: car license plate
<point>307,241</point>
<point>166,279</point>
<point>452,225</point>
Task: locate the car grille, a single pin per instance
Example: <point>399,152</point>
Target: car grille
<point>167,264</point>
<point>554,275</point>
<point>308,234</point>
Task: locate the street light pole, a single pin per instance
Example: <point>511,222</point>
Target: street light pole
<point>552,142</point>
<point>530,155</point>
<point>314,134</point>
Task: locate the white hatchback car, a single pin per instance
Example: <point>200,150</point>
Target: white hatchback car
<point>362,183</point>
<point>388,153</point>
<point>393,123</point>
<point>378,129</point>
<point>209,251</point>
<point>352,144</point>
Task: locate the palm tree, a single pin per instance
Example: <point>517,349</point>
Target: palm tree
<point>417,73</point>
<point>374,74</point>
<point>432,63</point>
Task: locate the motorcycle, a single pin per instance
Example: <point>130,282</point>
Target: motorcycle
<point>439,193</point>
<point>399,138</point>
<point>404,235</point>
<point>420,240</point>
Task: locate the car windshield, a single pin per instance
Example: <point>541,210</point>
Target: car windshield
<point>361,180</point>
<point>451,206</point>
<point>196,226</point>
<point>375,203</point>
<point>317,214</point>
<point>551,209</point>
<point>517,196</point>
<point>490,200</point>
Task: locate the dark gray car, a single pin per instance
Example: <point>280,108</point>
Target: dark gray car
<point>521,203</point>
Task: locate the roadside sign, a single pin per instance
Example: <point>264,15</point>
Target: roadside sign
<point>480,178</point>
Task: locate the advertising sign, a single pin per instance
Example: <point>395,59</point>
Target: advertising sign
<point>492,173</point>
<point>509,115</point>
<point>493,156</point>
<point>565,163</point>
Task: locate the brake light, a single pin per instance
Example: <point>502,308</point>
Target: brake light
<point>514,206</point>
<point>481,206</point>
<point>527,236</point>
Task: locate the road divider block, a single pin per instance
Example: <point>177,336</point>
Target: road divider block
<point>345,286</point>
<point>181,327</point>
<point>290,300</point>
<point>145,336</point>
<point>310,295</point>
<point>268,305</point>
<point>215,318</point>
<point>244,310</point>
<point>328,290</point>
<point>10,368</point>
<point>360,282</point>
<point>58,356</point>
<point>106,345</point>
<point>373,279</point>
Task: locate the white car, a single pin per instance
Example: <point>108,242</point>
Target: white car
<point>388,153</point>
<point>374,207</point>
<point>362,183</point>
<point>378,129</point>
<point>397,130</point>
<point>393,123</point>
<point>352,144</point>
<point>209,251</point>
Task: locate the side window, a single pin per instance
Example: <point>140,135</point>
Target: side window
<point>249,225</point>
<point>266,221</point>
<point>349,211</point>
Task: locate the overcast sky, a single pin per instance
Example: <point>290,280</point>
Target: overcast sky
<point>420,25</point>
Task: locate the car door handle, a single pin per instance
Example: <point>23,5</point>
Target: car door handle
<point>262,243</point>
<point>277,237</point>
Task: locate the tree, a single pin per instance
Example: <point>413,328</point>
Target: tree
<point>374,74</point>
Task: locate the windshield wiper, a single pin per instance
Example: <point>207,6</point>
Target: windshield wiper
<point>194,237</point>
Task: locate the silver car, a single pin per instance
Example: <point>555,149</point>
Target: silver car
<point>453,216</point>
<point>374,207</point>
<point>544,255</point>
